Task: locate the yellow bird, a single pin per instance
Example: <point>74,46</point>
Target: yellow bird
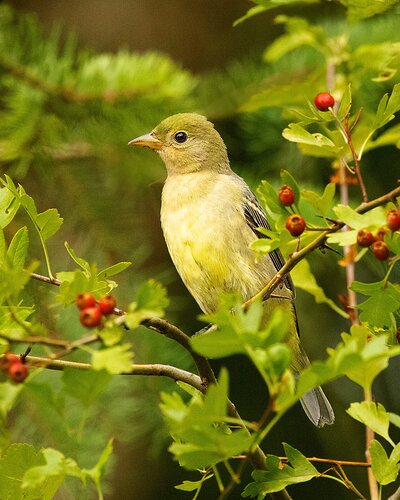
<point>209,217</point>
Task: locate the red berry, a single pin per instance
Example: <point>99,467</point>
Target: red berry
<point>380,234</point>
<point>91,317</point>
<point>18,371</point>
<point>295,224</point>
<point>84,300</point>
<point>7,360</point>
<point>381,250</point>
<point>365,238</point>
<point>107,304</point>
<point>323,101</point>
<point>393,220</point>
<point>286,195</point>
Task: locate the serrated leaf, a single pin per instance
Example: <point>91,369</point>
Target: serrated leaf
<point>278,476</point>
<point>372,219</point>
<point>373,415</point>
<point>151,301</point>
<point>48,222</point>
<point>114,360</point>
<point>345,104</point>
<point>201,438</point>
<point>388,106</point>
<point>378,309</point>
<point>323,203</point>
<point>18,249</point>
<point>385,469</point>
<point>253,11</point>
<point>193,485</point>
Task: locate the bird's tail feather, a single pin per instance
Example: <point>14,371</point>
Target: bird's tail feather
<point>317,407</point>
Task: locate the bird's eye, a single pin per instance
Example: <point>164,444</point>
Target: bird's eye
<point>181,137</point>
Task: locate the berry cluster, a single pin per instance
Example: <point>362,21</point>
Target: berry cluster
<point>14,366</point>
<point>92,310</point>
<point>295,223</point>
<point>376,241</point>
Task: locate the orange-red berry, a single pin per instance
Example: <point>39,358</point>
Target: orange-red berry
<point>286,195</point>
<point>295,224</point>
<point>91,317</point>
<point>18,371</point>
<point>84,300</point>
<point>7,360</point>
<point>393,220</point>
<point>323,101</point>
<point>107,304</point>
<point>365,238</point>
<point>380,250</point>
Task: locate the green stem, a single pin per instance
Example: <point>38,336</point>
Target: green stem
<point>218,479</point>
<point>46,254</point>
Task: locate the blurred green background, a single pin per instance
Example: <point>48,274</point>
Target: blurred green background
<point>66,122</point>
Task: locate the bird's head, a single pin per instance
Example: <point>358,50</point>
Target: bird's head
<point>187,143</point>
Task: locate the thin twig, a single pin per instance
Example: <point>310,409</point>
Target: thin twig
<point>347,463</point>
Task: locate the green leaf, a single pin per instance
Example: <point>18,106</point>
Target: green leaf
<point>113,270</point>
<point>8,396</point>
<point>201,437</point>
<point>253,11</point>
<point>18,249</point>
<point>387,108</point>
<point>296,133</point>
<point>48,222</point>
<point>322,204</point>
<point>385,469</point>
<point>9,205</point>
<point>278,476</point>
<point>97,472</point>
<point>78,260</point>
<point>16,460</point>
<point>79,281</point>
<point>373,415</point>
<point>151,301</point>
<point>114,360</point>
<point>361,9</point>
<point>377,310</point>
<point>193,485</point>
<point>85,386</point>
<point>288,179</point>
<point>304,279</point>
<point>52,472</point>
<point>345,104</point>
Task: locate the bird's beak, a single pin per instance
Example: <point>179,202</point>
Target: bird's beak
<point>146,141</point>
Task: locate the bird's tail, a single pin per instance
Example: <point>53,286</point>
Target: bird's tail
<point>317,407</point>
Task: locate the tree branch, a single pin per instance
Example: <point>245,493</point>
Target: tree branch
<point>292,261</point>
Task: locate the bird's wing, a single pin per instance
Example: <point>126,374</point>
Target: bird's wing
<point>255,217</point>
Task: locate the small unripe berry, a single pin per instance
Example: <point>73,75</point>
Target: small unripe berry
<point>323,101</point>
<point>381,250</point>
<point>7,360</point>
<point>107,304</point>
<point>365,238</point>
<point>295,224</point>
<point>18,371</point>
<point>380,234</point>
<point>84,300</point>
<point>393,220</point>
<point>91,317</point>
<point>286,195</point>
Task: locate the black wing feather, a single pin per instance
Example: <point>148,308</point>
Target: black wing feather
<point>255,217</point>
